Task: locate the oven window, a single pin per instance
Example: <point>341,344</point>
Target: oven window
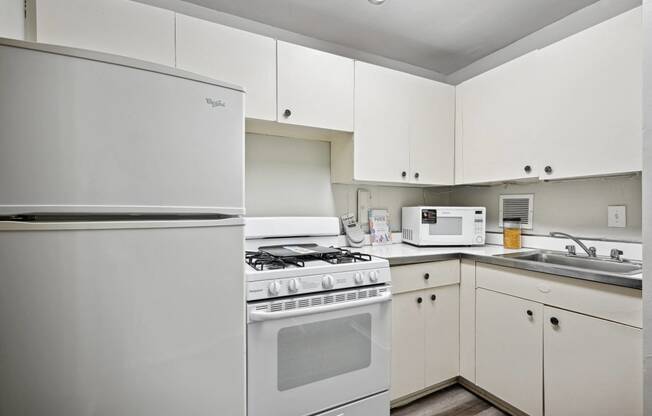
<point>324,349</point>
<point>446,226</point>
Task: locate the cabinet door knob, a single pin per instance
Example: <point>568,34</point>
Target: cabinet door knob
<point>554,321</point>
<point>433,297</point>
<point>416,175</point>
<point>527,168</point>
<point>529,313</point>
<point>426,276</point>
<point>404,174</point>
<point>287,113</point>
<point>419,299</point>
<point>548,170</point>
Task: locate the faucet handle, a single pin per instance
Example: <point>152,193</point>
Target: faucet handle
<point>571,250</point>
<point>615,254</point>
<point>593,252</point>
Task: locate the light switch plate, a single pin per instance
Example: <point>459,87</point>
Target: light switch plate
<point>617,216</point>
<point>364,203</point>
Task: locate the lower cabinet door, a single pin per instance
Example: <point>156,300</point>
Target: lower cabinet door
<point>592,366</point>
<point>509,349</point>
<point>407,344</point>
<point>442,320</point>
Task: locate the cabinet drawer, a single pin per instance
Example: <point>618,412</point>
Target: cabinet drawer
<point>614,303</point>
<point>425,275</point>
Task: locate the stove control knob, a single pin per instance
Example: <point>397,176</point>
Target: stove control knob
<point>293,285</point>
<point>327,281</point>
<point>357,278</point>
<point>373,276</point>
<point>274,288</point>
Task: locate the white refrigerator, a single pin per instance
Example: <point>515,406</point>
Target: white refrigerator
<point>121,241</point>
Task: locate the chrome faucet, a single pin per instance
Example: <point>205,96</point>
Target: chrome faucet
<point>590,251</point>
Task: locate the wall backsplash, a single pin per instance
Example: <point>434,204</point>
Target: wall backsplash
<point>291,177</point>
<point>576,206</point>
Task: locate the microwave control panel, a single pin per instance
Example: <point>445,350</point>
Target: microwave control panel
<point>428,216</point>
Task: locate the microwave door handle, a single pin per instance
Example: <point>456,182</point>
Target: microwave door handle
<point>259,316</point>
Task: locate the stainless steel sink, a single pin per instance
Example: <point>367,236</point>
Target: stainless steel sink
<point>595,264</point>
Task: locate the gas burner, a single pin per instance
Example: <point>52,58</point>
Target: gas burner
<point>260,261</point>
<point>345,256</point>
<point>268,259</point>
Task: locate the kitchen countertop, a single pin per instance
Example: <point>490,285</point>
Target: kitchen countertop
<point>401,254</point>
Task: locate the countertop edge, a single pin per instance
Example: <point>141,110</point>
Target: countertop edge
<point>605,278</point>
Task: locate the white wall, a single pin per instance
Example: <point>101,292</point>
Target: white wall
<point>577,206</point>
<point>12,19</point>
<point>647,198</point>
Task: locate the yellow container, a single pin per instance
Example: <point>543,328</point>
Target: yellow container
<point>512,233</point>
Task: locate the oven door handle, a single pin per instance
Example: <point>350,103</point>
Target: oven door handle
<point>259,316</point>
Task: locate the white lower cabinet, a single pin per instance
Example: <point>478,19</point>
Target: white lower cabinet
<point>408,346</point>
<point>509,349</point>
<point>591,366</point>
<point>425,333</point>
<point>442,341</point>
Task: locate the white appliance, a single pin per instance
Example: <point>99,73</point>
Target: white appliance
<point>318,332</point>
<point>444,226</point>
<point>121,275</point>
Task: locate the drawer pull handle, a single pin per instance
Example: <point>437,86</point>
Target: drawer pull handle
<point>419,299</point>
<point>529,313</point>
<point>554,321</point>
<point>426,276</point>
<point>433,297</point>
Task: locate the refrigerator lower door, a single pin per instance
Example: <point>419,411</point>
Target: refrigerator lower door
<point>109,319</point>
<point>84,135</point>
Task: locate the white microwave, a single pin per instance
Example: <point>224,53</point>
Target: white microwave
<point>444,226</point>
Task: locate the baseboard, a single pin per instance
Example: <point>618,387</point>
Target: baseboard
<point>402,401</point>
<point>501,404</point>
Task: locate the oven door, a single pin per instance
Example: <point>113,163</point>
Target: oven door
<point>310,359</point>
<point>453,228</point>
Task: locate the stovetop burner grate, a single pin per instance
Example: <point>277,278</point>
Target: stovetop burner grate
<point>261,260</point>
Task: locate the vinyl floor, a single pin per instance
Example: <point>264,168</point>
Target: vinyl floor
<point>451,401</point>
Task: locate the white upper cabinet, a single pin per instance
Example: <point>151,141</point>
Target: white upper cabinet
<point>404,130</point>
<point>496,135</point>
<point>12,20</point>
<point>315,88</point>
<point>230,55</point>
<point>120,27</point>
<point>382,119</point>
<point>432,131</point>
<point>592,94</point>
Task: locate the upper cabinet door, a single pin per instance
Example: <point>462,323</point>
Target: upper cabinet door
<point>592,96</point>
<point>230,55</point>
<point>382,117</point>
<point>496,123</point>
<point>315,88</point>
<point>431,131</point>
<point>119,27</point>
<point>591,366</point>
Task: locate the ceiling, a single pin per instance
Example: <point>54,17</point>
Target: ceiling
<point>439,35</point>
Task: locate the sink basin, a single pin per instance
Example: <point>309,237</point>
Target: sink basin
<point>558,258</point>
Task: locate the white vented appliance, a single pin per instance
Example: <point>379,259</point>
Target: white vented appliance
<point>319,339</point>
<point>121,274</point>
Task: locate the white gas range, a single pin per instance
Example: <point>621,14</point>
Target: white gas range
<point>318,328</point>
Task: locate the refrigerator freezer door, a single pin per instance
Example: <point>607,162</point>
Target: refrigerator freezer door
<point>83,135</point>
<point>122,319</point>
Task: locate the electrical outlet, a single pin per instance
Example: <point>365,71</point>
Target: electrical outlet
<point>617,216</point>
